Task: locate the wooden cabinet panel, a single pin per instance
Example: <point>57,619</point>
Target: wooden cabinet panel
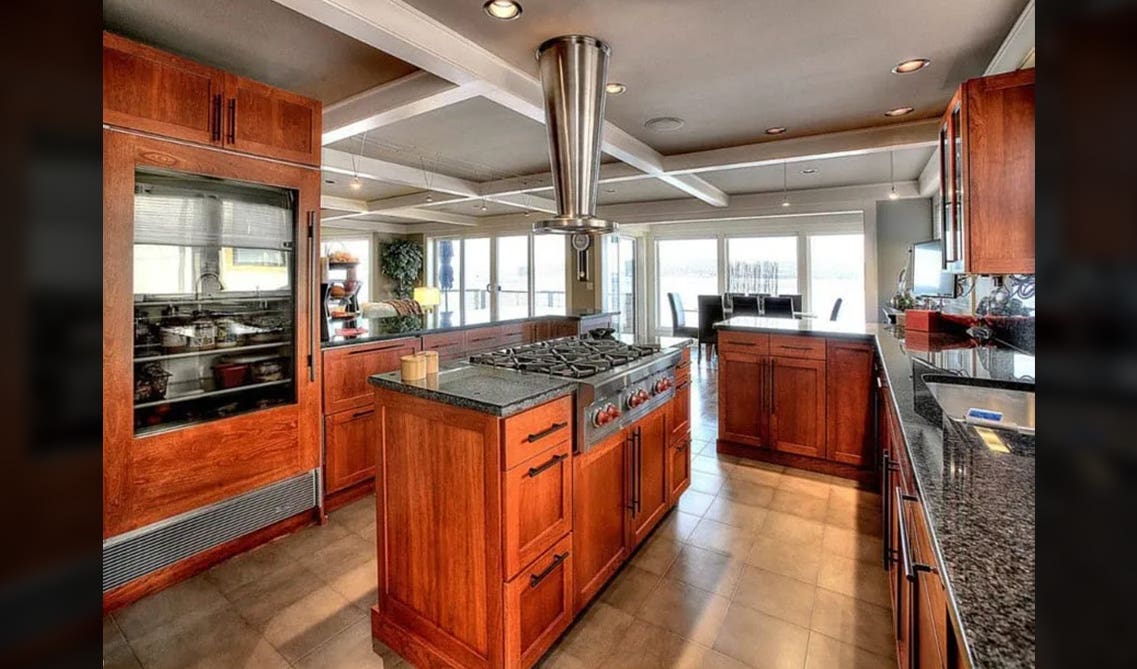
<point>650,460</point>
<point>156,92</point>
<point>848,405</point>
<point>449,345</point>
<point>350,443</point>
<point>930,627</point>
<point>679,469</point>
<point>346,371</point>
<point>600,499</point>
<point>791,346</point>
<point>679,422</point>
<point>743,397</point>
<point>479,340</point>
<point>533,431</point>
<point>512,335</point>
<point>750,343</point>
<point>537,505</point>
<point>538,606</point>
<point>797,408</point>
<point>270,122</point>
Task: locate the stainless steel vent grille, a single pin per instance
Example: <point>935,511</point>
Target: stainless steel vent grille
<point>147,549</point>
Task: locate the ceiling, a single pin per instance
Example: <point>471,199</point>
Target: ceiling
<point>258,39</point>
<point>870,168</point>
<point>340,186</point>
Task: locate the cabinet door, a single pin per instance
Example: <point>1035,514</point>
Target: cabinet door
<point>350,442</point>
<point>537,505</point>
<point>679,425</point>
<point>678,469</point>
<point>600,500</point>
<point>848,386</point>
<point>346,371</point>
<point>797,409</point>
<point>650,461</point>
<point>743,397</point>
<point>156,92</point>
<point>538,605</point>
<point>267,121</point>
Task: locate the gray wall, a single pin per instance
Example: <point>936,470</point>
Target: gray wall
<point>899,224</point>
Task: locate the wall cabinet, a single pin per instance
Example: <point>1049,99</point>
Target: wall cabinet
<point>987,176</point>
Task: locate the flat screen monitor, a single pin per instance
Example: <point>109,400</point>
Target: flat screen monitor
<point>928,276</point>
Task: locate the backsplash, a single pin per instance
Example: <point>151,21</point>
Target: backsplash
<point>1010,313</point>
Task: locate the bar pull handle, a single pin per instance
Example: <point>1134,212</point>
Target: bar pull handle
<point>216,118</point>
<point>313,336</point>
<point>546,432</point>
<point>796,348</point>
<point>533,471</point>
<point>773,386</point>
<point>683,446</point>
<point>683,385</point>
<point>232,120</point>
<point>630,442</point>
<point>534,579</point>
<point>361,414</point>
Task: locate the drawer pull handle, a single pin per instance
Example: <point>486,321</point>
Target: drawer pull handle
<point>683,365</point>
<point>533,471</point>
<point>683,385</point>
<point>546,432</point>
<point>730,342</point>
<point>796,348</point>
<point>534,579</point>
<point>682,447</point>
<point>361,414</point>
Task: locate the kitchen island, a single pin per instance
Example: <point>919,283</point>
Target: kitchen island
<point>500,513</point>
<point>958,511</point>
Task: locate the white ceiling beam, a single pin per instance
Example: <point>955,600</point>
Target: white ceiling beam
<point>417,93</point>
<point>1017,49</point>
<point>358,208</point>
<point>396,28</point>
<point>342,162</point>
<point>434,215</point>
<point>343,204</point>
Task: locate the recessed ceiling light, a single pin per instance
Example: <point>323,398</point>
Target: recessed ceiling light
<point>664,123</point>
<point>809,170</point>
<point>899,111</point>
<point>912,65</point>
<point>503,10</point>
<point>775,131</point>
<point>614,88</point>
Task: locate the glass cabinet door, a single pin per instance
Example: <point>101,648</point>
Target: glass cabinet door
<point>214,299</point>
<point>957,193</point>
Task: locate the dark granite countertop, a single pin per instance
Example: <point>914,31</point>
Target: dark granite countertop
<point>381,329</point>
<point>492,390</point>
<point>980,503</point>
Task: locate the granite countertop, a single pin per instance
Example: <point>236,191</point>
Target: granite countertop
<point>492,390</point>
<point>397,327</point>
<point>979,503</point>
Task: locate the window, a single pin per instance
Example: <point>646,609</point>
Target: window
<point>476,281</point>
<point>447,272</point>
<point>688,267</point>
<point>837,270</point>
<point>549,253</point>
<point>361,249</point>
<point>619,263</point>
<point>762,265</point>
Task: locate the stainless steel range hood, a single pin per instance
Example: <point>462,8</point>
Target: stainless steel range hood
<point>574,70</point>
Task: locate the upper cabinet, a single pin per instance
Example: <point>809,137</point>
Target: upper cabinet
<point>156,92</point>
<point>987,175</point>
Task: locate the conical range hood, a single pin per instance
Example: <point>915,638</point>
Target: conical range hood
<point>574,69</point>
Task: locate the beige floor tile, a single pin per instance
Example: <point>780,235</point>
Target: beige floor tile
<point>248,567</point>
<point>657,554</point>
<point>355,516</point>
<point>723,538</point>
<point>368,534</point>
<point>851,515</point>
<point>762,641</point>
<point>710,465</point>
<point>706,482</point>
<point>260,600</point>
<point>851,544</point>
<point>117,653</point>
<point>747,492</point>
<point>685,610</point>
<point>775,594</point>
<point>799,504</point>
<point>796,480</point>
<point>630,588</point>
<point>297,629</point>
<point>695,502</point>
<point>646,645</point>
<point>307,541</point>
<point>595,634</point>
<point>339,557</point>
<point>855,622</point>
<point>851,493</point>
<point>351,648</point>
<point>792,529</point>
<point>706,570</point>
<point>730,512</point>
<point>800,561</point>
<point>183,603</point>
<point>827,653</point>
<point>220,640</point>
<point>677,525</point>
<point>758,472</point>
<point>560,659</point>
<point>862,580</point>
<point>359,585</point>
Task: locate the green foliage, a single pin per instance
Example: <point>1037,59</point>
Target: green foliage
<point>402,262</point>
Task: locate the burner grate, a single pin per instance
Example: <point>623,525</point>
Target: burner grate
<point>570,357</point>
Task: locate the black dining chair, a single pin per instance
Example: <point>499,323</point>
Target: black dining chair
<point>679,327</point>
<point>779,307</point>
<point>796,300</point>
<point>710,312</point>
<point>836,309</point>
<point>745,305</point>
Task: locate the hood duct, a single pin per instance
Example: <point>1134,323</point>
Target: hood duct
<point>574,70</point>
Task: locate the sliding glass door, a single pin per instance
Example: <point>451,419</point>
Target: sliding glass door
<point>476,280</point>
<point>511,290</point>
<point>619,271</point>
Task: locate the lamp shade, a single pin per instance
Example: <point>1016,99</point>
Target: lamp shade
<point>428,296</point>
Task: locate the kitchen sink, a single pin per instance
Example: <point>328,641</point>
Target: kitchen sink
<point>1000,405</point>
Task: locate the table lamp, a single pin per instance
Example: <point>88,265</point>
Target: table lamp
<point>429,297</point>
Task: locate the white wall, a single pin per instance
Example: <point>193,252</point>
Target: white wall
<point>899,224</point>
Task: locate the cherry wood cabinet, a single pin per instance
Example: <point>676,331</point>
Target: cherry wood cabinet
<point>349,448</point>
<point>743,388</point>
<point>679,422</point>
<point>649,455</point>
<point>848,403</point>
<point>679,468</point>
<point>539,605</point>
<point>449,345</point>
<point>346,370</point>
<point>797,406</point>
<point>537,503</point>
<point>600,515</point>
<point>267,121</point>
<point>987,175</point>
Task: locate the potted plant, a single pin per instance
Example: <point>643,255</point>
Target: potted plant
<point>402,263</point>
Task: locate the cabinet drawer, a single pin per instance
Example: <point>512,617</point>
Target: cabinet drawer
<point>483,339</point>
<point>449,345</point>
<point>346,371</point>
<point>537,505</point>
<point>679,468</point>
<point>744,342</point>
<point>350,443</point>
<point>538,605</point>
<point>683,369</point>
<point>512,335</point>
<point>790,346</point>
<point>535,431</point>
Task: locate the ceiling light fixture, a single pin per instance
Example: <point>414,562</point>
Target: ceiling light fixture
<point>356,184</point>
<point>502,10</point>
<point>892,195</point>
<point>614,88</point>
<point>899,111</point>
<point>664,123</point>
<point>785,183</point>
<point>809,170</point>
<point>910,66</point>
<point>775,131</point>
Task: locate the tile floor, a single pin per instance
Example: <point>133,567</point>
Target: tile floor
<point>759,567</point>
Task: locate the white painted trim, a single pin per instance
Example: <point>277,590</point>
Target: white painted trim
<point>1018,46</point>
<point>342,162</point>
<point>406,97</point>
<point>928,184</point>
